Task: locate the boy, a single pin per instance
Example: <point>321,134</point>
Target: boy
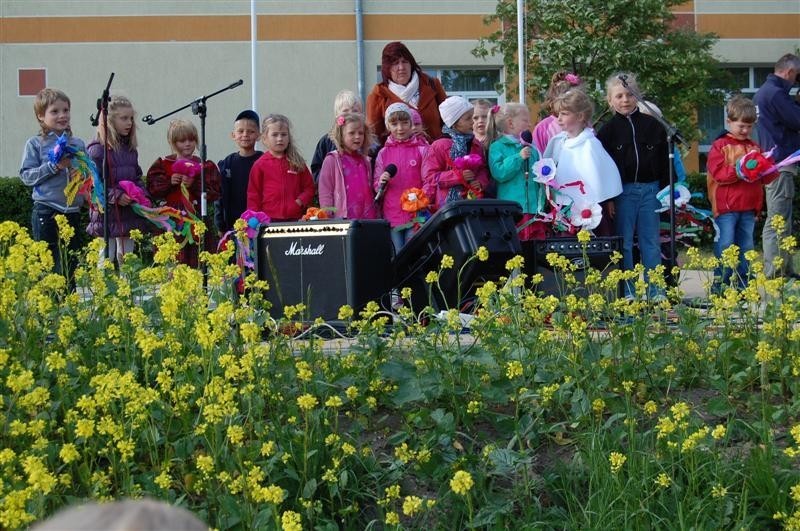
<point>735,202</point>
<point>235,171</point>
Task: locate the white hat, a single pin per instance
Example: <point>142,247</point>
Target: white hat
<point>396,107</point>
<point>453,108</point>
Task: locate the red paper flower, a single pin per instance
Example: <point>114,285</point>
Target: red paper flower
<point>314,214</point>
<point>414,200</point>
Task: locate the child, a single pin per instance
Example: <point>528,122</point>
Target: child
<point>579,156</point>
<point>280,184</point>
<point>510,165</point>
<point>52,109</point>
<point>345,181</point>
<point>548,127</point>
<point>637,143</point>
<point>417,127</point>
<point>177,189</point>
<point>480,117</point>
<point>235,171</point>
<point>405,150</point>
<point>346,102</point>
<point>442,182</point>
<point>735,202</point>
<point>123,165</point>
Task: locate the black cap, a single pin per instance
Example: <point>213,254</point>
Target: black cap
<point>248,115</point>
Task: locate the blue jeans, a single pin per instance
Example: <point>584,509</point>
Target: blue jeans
<point>734,228</point>
<point>636,214</point>
<point>44,228</point>
<point>400,238</point>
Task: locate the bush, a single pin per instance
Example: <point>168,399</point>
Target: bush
<point>15,201</point>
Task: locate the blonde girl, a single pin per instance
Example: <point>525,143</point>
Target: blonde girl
<point>346,101</point>
<point>280,183</point>
<point>345,180</point>
<point>510,162</point>
<point>122,161</point>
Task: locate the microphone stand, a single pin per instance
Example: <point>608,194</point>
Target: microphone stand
<point>199,108</point>
<point>673,137</point>
<point>102,111</point>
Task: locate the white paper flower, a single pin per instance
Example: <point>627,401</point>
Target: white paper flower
<point>682,197</point>
<point>545,171</point>
<point>586,216</point>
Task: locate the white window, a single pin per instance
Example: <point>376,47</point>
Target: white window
<point>470,82</point>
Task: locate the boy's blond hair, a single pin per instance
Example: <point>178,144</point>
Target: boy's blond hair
<point>741,109</point>
<point>615,80</point>
<point>296,161</point>
<point>180,130</point>
<point>44,99</point>
<point>346,99</point>
<point>115,105</point>
<point>337,133</point>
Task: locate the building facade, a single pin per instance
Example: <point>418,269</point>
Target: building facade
<point>167,53</point>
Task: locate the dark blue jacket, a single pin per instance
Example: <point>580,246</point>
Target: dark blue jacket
<point>778,117</point>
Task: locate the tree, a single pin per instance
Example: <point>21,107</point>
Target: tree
<point>595,38</point>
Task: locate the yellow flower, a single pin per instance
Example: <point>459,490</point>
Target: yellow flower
<point>136,235</point>
<point>84,428</point>
<point>447,261</point>
<point>663,480</point>
<point>461,483</point>
<point>236,435</point>
<point>268,448</point>
<point>718,491</point>
<point>411,505</point>
<point>163,480</point>
<point>272,494</point>
<point>432,277</point>
<point>352,392</point>
<point>392,518</point>
<point>650,407</point>
<point>291,521</point>
<point>513,369</point>
<point>307,401</point>
<point>482,253</point>
<point>345,313</point>
<point>598,406</point>
<point>719,432</point>
<point>68,453</point>
<point>404,453</point>
<point>616,460</point>
<point>333,402</point>
<point>206,464</point>
<point>65,230</point>
<point>584,236</point>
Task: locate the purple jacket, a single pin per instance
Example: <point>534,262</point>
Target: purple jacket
<point>407,156</point>
<point>123,165</point>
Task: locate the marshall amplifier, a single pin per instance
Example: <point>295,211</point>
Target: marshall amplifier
<point>325,264</point>
<point>596,256</point>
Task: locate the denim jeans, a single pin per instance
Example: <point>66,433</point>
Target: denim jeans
<point>44,228</point>
<point>400,238</point>
<point>636,214</point>
<point>779,197</point>
<point>734,228</point>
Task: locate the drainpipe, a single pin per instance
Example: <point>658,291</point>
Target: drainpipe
<point>360,51</point>
<point>521,49</point>
<point>253,40</point>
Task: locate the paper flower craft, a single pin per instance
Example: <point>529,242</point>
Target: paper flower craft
<point>189,168</point>
<point>136,194</point>
<point>254,221</point>
<point>682,197</point>
<point>544,171</point>
<point>471,162</point>
<point>165,218</point>
<point>586,216</point>
<point>414,200</point>
<point>314,214</point>
<point>753,166</point>
<point>84,177</point>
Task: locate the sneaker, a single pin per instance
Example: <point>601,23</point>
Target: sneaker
<point>397,301</point>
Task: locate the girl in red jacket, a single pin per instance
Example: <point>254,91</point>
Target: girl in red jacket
<point>280,183</point>
<point>735,202</point>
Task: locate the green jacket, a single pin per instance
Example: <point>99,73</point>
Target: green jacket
<point>508,171</point>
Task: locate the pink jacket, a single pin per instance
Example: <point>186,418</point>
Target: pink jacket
<point>437,173</point>
<point>332,190</point>
<point>544,131</point>
<point>407,156</point>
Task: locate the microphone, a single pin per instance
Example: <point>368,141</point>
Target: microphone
<point>391,169</point>
<point>624,79</point>
<point>527,140</point>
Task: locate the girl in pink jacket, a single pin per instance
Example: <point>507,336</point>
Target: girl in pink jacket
<point>445,178</point>
<point>404,150</point>
<point>345,179</point>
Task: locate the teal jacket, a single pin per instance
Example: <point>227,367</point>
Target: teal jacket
<point>508,171</point>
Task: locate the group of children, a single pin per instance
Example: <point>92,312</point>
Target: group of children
<point>485,151</point>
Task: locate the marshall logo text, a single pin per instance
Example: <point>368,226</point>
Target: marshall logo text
<point>308,250</point>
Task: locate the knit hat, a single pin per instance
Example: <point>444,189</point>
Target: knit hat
<point>396,107</point>
<point>416,117</point>
<point>248,115</point>
<point>453,108</point>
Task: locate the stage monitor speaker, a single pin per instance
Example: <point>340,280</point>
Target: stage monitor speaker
<point>458,230</point>
<point>325,264</point>
<point>596,256</point>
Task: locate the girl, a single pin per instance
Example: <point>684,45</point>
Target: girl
<point>280,184</point>
<point>579,156</point>
<point>443,182</point>
<point>170,180</point>
<point>123,165</point>
<point>47,180</point>
<point>638,145</point>
<point>480,118</point>
<point>345,181</point>
<point>560,83</point>
<point>346,102</point>
<point>405,150</point>
<point>510,165</point>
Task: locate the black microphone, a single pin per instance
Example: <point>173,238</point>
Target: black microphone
<point>391,169</point>
<point>527,140</point>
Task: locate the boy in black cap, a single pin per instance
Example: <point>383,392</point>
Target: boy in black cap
<point>235,170</point>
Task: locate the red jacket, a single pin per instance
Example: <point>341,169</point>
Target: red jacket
<point>159,184</point>
<point>726,191</point>
<point>438,175</point>
<point>274,189</point>
<point>431,94</point>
